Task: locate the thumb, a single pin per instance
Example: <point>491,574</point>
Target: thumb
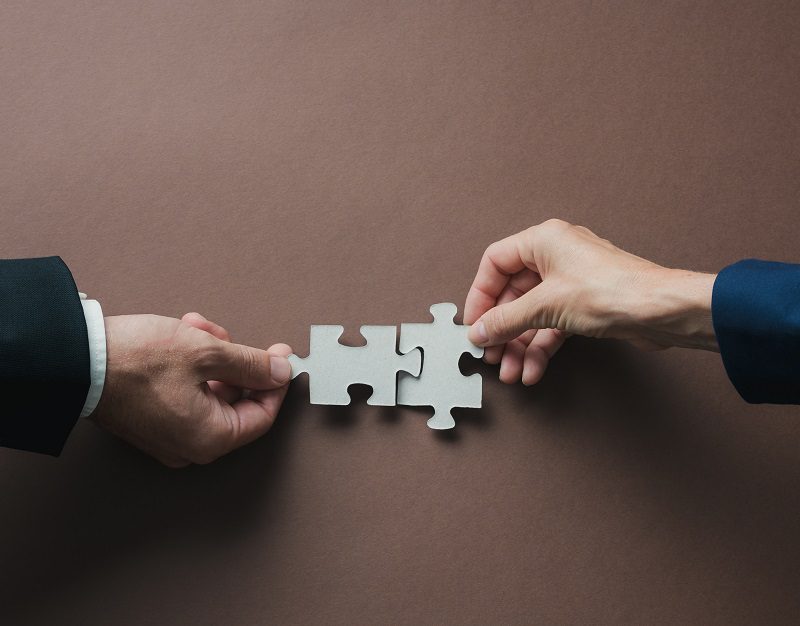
<point>508,321</point>
<point>246,367</point>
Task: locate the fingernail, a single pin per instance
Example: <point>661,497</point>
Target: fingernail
<point>280,369</point>
<point>478,334</point>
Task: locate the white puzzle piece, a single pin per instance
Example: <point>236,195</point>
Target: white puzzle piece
<point>332,367</point>
<point>441,384</point>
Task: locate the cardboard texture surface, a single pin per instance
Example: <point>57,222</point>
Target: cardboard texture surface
<point>274,163</point>
<point>440,384</point>
<point>333,367</point>
<point>395,378</point>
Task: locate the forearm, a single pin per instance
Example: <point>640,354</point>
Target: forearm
<point>750,313</point>
<point>672,307</point>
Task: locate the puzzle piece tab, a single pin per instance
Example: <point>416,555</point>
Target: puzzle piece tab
<point>441,384</point>
<point>332,367</point>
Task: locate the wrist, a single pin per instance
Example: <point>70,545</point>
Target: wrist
<point>673,308</point>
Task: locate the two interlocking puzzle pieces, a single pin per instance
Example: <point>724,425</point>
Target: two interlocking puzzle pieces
<point>425,373</point>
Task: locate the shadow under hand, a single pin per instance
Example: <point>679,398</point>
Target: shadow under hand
<point>651,430</point>
<point>108,505</point>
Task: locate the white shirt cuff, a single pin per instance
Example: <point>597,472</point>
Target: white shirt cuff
<point>97,352</point>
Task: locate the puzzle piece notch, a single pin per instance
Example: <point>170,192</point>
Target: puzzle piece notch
<point>441,383</point>
<point>332,367</point>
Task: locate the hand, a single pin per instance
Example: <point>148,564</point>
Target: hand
<point>174,388</point>
<point>537,287</point>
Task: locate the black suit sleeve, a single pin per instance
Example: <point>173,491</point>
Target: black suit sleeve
<point>44,354</point>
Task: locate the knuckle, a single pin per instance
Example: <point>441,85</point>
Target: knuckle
<point>544,236</point>
<point>516,291</point>
<point>192,316</point>
<point>249,363</point>
<point>555,225</point>
<point>496,321</point>
<point>491,252</point>
<point>491,249</point>
<point>205,352</point>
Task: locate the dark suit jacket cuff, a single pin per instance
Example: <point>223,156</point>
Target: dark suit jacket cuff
<point>44,365</point>
<point>756,312</point>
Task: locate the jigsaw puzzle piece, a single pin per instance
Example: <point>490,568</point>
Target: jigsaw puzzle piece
<point>333,367</point>
<point>326,385</point>
<point>441,384</point>
<point>382,364</point>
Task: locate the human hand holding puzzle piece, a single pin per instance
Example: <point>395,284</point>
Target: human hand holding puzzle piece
<point>426,373</point>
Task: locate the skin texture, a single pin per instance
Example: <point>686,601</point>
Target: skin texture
<point>175,388</point>
<point>534,289</point>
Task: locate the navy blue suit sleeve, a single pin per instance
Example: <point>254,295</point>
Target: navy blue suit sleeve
<point>44,354</point>
<point>756,312</point>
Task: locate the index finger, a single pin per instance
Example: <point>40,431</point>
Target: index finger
<point>500,262</point>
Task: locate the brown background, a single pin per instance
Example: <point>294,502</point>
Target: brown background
<point>277,164</point>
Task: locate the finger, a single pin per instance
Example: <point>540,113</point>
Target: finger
<point>511,365</point>
<point>513,355</point>
<point>508,321</point>
<point>527,336</point>
<point>524,339</point>
<point>518,285</point>
<point>226,392</point>
<point>538,354</point>
<point>279,349</point>
<point>255,415</point>
<point>198,321</point>
<point>244,366</point>
<point>493,354</point>
<point>250,418</point>
<point>500,262</point>
<point>234,425</point>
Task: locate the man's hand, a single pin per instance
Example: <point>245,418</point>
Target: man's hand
<point>174,388</point>
<point>535,288</point>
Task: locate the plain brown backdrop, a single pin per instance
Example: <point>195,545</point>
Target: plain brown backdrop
<point>277,164</point>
